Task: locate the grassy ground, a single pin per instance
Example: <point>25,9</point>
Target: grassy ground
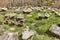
<point>40,26</point>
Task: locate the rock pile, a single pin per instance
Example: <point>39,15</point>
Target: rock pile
<point>14,19</point>
<point>8,18</point>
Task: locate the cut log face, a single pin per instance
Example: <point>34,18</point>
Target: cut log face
<point>55,29</point>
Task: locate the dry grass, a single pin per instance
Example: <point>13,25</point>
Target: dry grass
<point>9,3</point>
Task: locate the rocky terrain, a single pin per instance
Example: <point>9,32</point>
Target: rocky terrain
<point>30,23</point>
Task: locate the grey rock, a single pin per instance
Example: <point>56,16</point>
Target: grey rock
<point>9,36</point>
<point>3,9</point>
<point>47,15</point>
<point>10,15</point>
<point>27,34</point>
<point>13,36</point>
<point>55,29</point>
<point>6,15</point>
<point>40,15</point>
<point>20,16</point>
<point>13,22</point>
<point>9,21</point>
<point>49,8</point>
<point>32,8</point>
<point>27,10</point>
<point>20,22</point>
<point>6,20</point>
<point>18,9</point>
<point>54,9</point>
<point>58,14</point>
<point>37,8</point>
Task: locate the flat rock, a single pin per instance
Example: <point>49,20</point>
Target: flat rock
<point>18,9</point>
<point>27,34</point>
<point>11,14</point>
<point>13,36</point>
<point>43,15</point>
<point>37,8</point>
<point>55,29</point>
<point>27,10</point>
<point>3,9</point>
<point>47,15</point>
<point>20,16</point>
<point>58,14</point>
<point>9,36</point>
<point>40,15</point>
